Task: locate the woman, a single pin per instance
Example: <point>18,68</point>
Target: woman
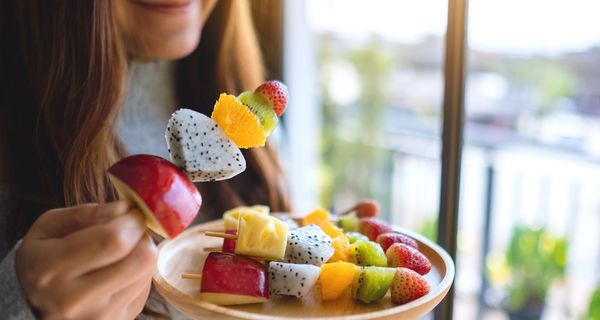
<point>85,83</point>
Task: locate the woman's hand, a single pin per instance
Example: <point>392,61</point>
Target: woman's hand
<point>87,262</point>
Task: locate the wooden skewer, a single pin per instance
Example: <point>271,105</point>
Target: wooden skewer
<point>225,236</point>
<point>193,276</point>
<point>296,217</point>
<point>219,249</point>
<point>365,208</point>
<point>220,235</point>
<point>347,211</point>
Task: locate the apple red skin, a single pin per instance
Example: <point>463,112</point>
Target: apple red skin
<point>229,244</point>
<point>167,191</point>
<point>233,274</point>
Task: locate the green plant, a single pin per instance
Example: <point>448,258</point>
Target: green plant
<point>593,312</point>
<point>533,260</point>
<point>429,227</point>
<point>354,164</point>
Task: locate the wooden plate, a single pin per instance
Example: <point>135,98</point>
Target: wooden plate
<point>185,254</point>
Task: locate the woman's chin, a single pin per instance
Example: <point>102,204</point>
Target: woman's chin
<point>167,50</point>
<point>176,52</point>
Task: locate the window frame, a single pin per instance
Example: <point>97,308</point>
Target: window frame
<point>452,137</point>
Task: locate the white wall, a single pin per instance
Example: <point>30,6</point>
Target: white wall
<point>302,116</point>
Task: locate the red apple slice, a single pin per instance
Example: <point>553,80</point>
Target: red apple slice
<point>228,279</point>
<point>165,195</point>
<point>229,244</point>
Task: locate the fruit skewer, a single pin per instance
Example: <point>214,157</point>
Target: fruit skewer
<point>350,247</point>
<point>265,236</point>
<point>320,217</point>
<point>367,284</point>
<point>306,245</point>
<point>252,284</point>
<point>201,149</point>
<point>231,217</point>
<point>208,148</point>
<point>258,235</point>
<point>362,209</point>
<point>296,274</point>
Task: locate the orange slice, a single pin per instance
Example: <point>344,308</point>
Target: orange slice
<point>335,278</point>
<point>318,216</point>
<point>342,252</point>
<point>238,122</point>
<point>321,217</point>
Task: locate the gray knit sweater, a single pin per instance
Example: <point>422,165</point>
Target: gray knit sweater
<point>148,103</point>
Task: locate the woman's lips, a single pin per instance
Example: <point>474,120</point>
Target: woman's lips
<point>170,7</point>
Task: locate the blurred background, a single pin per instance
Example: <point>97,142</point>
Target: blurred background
<point>366,82</point>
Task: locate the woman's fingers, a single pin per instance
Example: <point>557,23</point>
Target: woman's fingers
<point>130,301</point>
<point>114,209</point>
<point>103,244</point>
<point>140,263</point>
<point>45,254</point>
<point>137,304</point>
<point>125,304</point>
<point>73,260</point>
<point>59,223</point>
<point>135,270</point>
<point>110,306</point>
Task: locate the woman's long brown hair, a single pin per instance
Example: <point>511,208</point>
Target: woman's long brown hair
<point>63,67</point>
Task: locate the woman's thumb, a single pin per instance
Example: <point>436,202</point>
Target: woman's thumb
<point>58,223</point>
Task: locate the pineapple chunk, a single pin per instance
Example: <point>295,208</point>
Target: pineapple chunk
<point>261,235</point>
<point>230,217</point>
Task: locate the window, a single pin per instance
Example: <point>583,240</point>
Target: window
<point>531,152</point>
<point>369,124</point>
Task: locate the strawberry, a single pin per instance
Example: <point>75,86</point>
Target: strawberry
<point>387,239</point>
<point>366,209</point>
<point>275,93</point>
<point>408,286</point>
<point>372,227</point>
<point>363,209</point>
<point>401,255</point>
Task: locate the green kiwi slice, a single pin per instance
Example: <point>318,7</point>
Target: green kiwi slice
<point>261,108</point>
<point>368,253</point>
<point>372,283</point>
<point>348,223</point>
<point>355,236</point>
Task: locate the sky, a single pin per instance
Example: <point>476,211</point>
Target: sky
<point>507,26</point>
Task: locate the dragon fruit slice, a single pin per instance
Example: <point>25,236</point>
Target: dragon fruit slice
<point>292,279</point>
<point>200,148</point>
<point>309,245</point>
